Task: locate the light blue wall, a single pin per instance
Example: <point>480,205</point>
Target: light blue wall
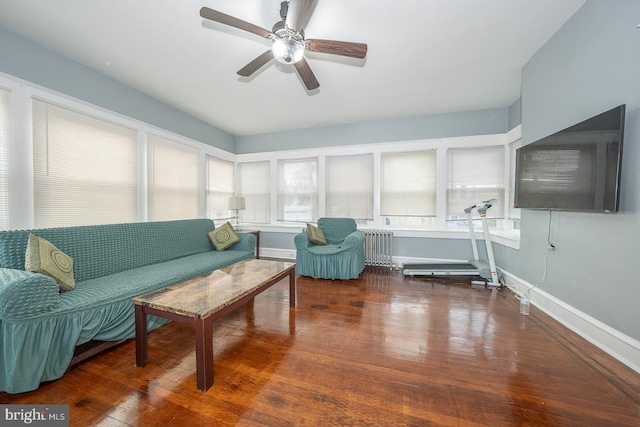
<point>515,114</point>
<point>485,122</point>
<point>279,240</point>
<point>591,65</point>
<point>456,249</point>
<point>29,61</point>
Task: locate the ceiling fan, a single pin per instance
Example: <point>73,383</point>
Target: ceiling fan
<point>288,39</point>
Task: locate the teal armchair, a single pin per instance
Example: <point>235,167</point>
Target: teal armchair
<point>342,257</point>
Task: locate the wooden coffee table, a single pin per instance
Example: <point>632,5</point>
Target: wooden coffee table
<point>202,300</point>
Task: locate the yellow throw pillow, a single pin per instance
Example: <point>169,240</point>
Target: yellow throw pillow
<point>316,235</point>
<point>223,237</point>
<point>44,258</point>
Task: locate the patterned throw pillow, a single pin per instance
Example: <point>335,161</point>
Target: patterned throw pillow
<point>44,258</point>
<point>316,235</point>
<point>223,237</point>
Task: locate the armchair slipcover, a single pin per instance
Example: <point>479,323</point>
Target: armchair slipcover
<point>341,258</point>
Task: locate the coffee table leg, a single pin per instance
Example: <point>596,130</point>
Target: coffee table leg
<point>141,336</point>
<point>204,353</point>
<point>292,288</point>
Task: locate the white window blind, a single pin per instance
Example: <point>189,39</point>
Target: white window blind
<point>298,190</point>
<point>219,187</point>
<point>408,184</point>
<point>172,179</point>
<point>349,190</point>
<point>255,186</point>
<point>5,119</point>
<point>84,169</point>
<point>475,175</point>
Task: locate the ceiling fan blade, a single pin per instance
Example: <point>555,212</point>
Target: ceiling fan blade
<point>333,47</point>
<point>231,21</point>
<point>298,13</point>
<point>256,64</point>
<point>307,76</point>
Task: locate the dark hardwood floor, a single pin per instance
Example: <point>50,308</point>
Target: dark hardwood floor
<point>383,350</point>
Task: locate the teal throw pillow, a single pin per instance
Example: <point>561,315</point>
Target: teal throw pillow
<point>316,235</point>
<point>223,237</point>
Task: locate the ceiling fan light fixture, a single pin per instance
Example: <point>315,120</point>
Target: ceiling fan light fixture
<point>289,42</point>
<point>287,50</point>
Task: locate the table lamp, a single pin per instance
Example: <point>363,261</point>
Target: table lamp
<point>236,203</point>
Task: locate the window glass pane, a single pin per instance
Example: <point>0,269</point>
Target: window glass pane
<point>84,169</point>
<point>219,188</point>
<point>255,186</point>
<point>5,117</point>
<point>408,184</point>
<point>349,191</point>
<point>172,179</point>
<point>298,190</point>
<point>474,175</point>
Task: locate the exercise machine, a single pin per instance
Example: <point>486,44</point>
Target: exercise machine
<point>475,267</point>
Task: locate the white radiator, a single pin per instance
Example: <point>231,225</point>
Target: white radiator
<point>378,248</point>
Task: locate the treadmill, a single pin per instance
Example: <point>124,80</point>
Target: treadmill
<point>475,267</point>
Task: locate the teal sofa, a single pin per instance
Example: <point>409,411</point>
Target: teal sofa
<point>342,257</point>
<point>41,328</point>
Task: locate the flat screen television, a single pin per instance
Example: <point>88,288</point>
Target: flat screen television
<point>576,169</point>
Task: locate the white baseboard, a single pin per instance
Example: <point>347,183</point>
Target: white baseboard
<point>610,340</point>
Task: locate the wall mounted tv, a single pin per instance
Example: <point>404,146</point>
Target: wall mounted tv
<point>576,169</point>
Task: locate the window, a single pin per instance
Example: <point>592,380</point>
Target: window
<point>408,188</point>
<point>84,169</point>
<point>255,185</point>
<point>173,180</point>
<point>474,175</point>
<point>219,187</point>
<point>298,190</point>
<point>349,190</point>
<point>5,117</point>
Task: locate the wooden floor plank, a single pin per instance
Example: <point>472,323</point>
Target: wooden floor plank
<point>380,350</point>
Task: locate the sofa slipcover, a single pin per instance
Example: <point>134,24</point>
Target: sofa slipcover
<point>40,327</point>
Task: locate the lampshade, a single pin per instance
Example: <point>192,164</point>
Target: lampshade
<point>236,203</point>
<point>287,51</point>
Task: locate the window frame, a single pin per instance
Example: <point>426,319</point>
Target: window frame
<point>495,190</point>
<point>220,207</point>
<point>312,192</point>
<point>165,191</point>
<point>61,171</point>
<point>252,196</point>
<point>359,206</point>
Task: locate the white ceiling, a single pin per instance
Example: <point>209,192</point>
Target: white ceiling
<point>424,57</point>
